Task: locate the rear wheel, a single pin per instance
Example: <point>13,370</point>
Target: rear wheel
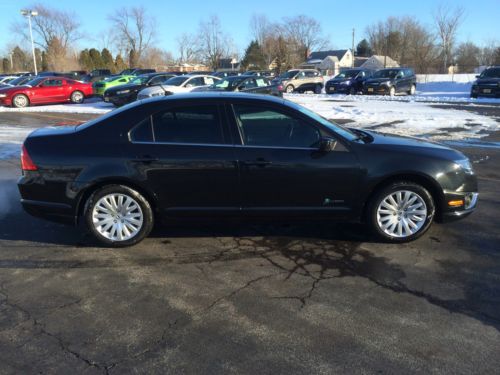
<point>401,212</point>
<point>317,89</point>
<point>118,216</point>
<point>77,97</point>
<point>289,89</point>
<point>352,91</point>
<point>20,101</point>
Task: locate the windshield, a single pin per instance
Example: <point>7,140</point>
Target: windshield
<point>17,81</point>
<point>491,73</point>
<point>346,133</point>
<point>348,74</point>
<point>141,80</point>
<point>386,73</point>
<point>289,74</point>
<point>176,81</point>
<point>35,82</point>
<point>227,82</point>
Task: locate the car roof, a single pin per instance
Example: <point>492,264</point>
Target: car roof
<point>204,95</point>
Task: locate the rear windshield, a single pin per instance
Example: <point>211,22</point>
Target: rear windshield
<point>386,73</point>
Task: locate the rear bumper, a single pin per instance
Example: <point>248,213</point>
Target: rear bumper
<point>58,212</point>
<point>488,91</point>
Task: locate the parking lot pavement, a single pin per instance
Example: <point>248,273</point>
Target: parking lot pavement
<point>246,297</point>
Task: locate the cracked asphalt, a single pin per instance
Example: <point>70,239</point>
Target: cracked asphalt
<point>250,297</point>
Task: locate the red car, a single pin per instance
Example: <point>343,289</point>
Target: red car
<point>45,90</point>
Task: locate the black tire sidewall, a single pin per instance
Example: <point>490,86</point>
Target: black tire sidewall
<point>382,193</point>
<point>148,218</point>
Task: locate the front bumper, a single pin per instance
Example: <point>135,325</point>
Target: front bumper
<point>333,89</point>
<point>119,100</point>
<point>460,211</point>
<point>6,101</point>
<point>376,90</point>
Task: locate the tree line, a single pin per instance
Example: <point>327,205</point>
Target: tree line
<point>280,45</point>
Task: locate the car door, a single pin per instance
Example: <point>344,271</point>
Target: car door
<point>194,82</point>
<point>49,91</point>
<point>186,159</point>
<point>282,168</point>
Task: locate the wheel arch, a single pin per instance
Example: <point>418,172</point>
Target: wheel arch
<point>427,182</point>
<point>88,191</point>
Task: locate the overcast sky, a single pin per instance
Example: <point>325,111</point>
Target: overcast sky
<point>338,18</point>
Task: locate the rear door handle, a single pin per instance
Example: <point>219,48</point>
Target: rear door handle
<point>256,163</point>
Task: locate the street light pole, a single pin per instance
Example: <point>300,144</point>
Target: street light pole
<point>28,14</point>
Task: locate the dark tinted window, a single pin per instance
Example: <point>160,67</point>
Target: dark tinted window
<point>52,82</point>
<point>268,127</point>
<point>188,125</point>
<point>143,132</point>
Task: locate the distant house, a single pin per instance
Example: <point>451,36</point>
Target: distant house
<point>330,62</point>
<point>228,65</point>
<point>377,62</point>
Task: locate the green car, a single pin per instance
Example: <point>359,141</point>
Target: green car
<point>101,86</point>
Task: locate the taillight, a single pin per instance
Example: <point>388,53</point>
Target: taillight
<point>26,162</point>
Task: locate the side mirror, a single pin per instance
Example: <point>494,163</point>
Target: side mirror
<point>327,144</point>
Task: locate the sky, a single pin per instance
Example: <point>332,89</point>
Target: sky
<point>338,18</point>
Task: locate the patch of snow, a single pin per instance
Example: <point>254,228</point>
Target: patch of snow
<point>89,106</point>
<point>11,139</point>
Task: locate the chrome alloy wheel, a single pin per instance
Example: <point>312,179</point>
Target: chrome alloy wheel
<point>117,217</point>
<point>401,214</point>
<point>20,101</point>
<point>77,97</point>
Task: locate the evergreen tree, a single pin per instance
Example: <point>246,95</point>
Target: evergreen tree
<point>85,60</point>
<point>95,57</point>
<point>254,58</point>
<point>363,49</point>
<point>107,59</point>
<point>132,59</point>
<point>119,63</point>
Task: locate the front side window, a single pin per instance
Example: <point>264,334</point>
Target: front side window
<point>53,82</point>
<point>195,82</point>
<point>198,124</point>
<point>271,128</point>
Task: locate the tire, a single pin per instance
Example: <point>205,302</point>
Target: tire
<point>412,90</point>
<point>317,89</point>
<point>289,89</point>
<point>103,216</point>
<point>20,101</point>
<point>474,96</point>
<point>392,91</point>
<point>352,91</point>
<point>77,97</point>
<point>395,224</point>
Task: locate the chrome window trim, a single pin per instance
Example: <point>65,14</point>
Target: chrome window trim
<point>222,145</point>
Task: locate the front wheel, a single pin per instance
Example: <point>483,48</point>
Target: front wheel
<point>20,101</point>
<point>77,97</point>
<point>289,89</point>
<point>392,91</point>
<point>412,90</point>
<point>401,212</point>
<point>118,216</point>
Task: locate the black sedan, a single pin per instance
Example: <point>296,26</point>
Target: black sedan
<point>245,83</point>
<point>124,94</point>
<point>487,83</point>
<point>237,154</point>
<point>349,81</point>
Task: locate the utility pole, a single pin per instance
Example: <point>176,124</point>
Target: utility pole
<point>28,14</point>
<point>352,51</point>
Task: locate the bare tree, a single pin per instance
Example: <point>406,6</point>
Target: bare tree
<point>306,33</point>
<point>50,24</point>
<point>214,43</point>
<point>260,28</point>
<point>447,22</point>
<point>188,47</point>
<point>134,31</point>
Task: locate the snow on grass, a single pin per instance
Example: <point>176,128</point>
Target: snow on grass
<point>399,117</point>
<point>89,106</point>
<point>11,138</point>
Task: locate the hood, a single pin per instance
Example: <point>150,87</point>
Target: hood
<point>335,79</point>
<point>411,144</point>
<point>152,90</point>
<point>378,80</point>
<point>127,86</point>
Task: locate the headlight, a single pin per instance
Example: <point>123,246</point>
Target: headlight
<point>345,83</point>
<point>387,83</point>
<point>464,164</point>
<point>122,92</point>
<point>3,95</point>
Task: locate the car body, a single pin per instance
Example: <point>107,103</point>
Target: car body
<point>19,81</point>
<point>300,80</point>
<point>391,81</point>
<point>487,83</point>
<point>127,93</point>
<point>180,84</point>
<point>6,79</point>
<point>232,154</point>
<point>100,87</point>
<point>45,90</point>
<point>349,81</point>
<point>244,83</point>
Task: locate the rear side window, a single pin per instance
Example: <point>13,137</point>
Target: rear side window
<point>200,124</point>
<point>142,132</point>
